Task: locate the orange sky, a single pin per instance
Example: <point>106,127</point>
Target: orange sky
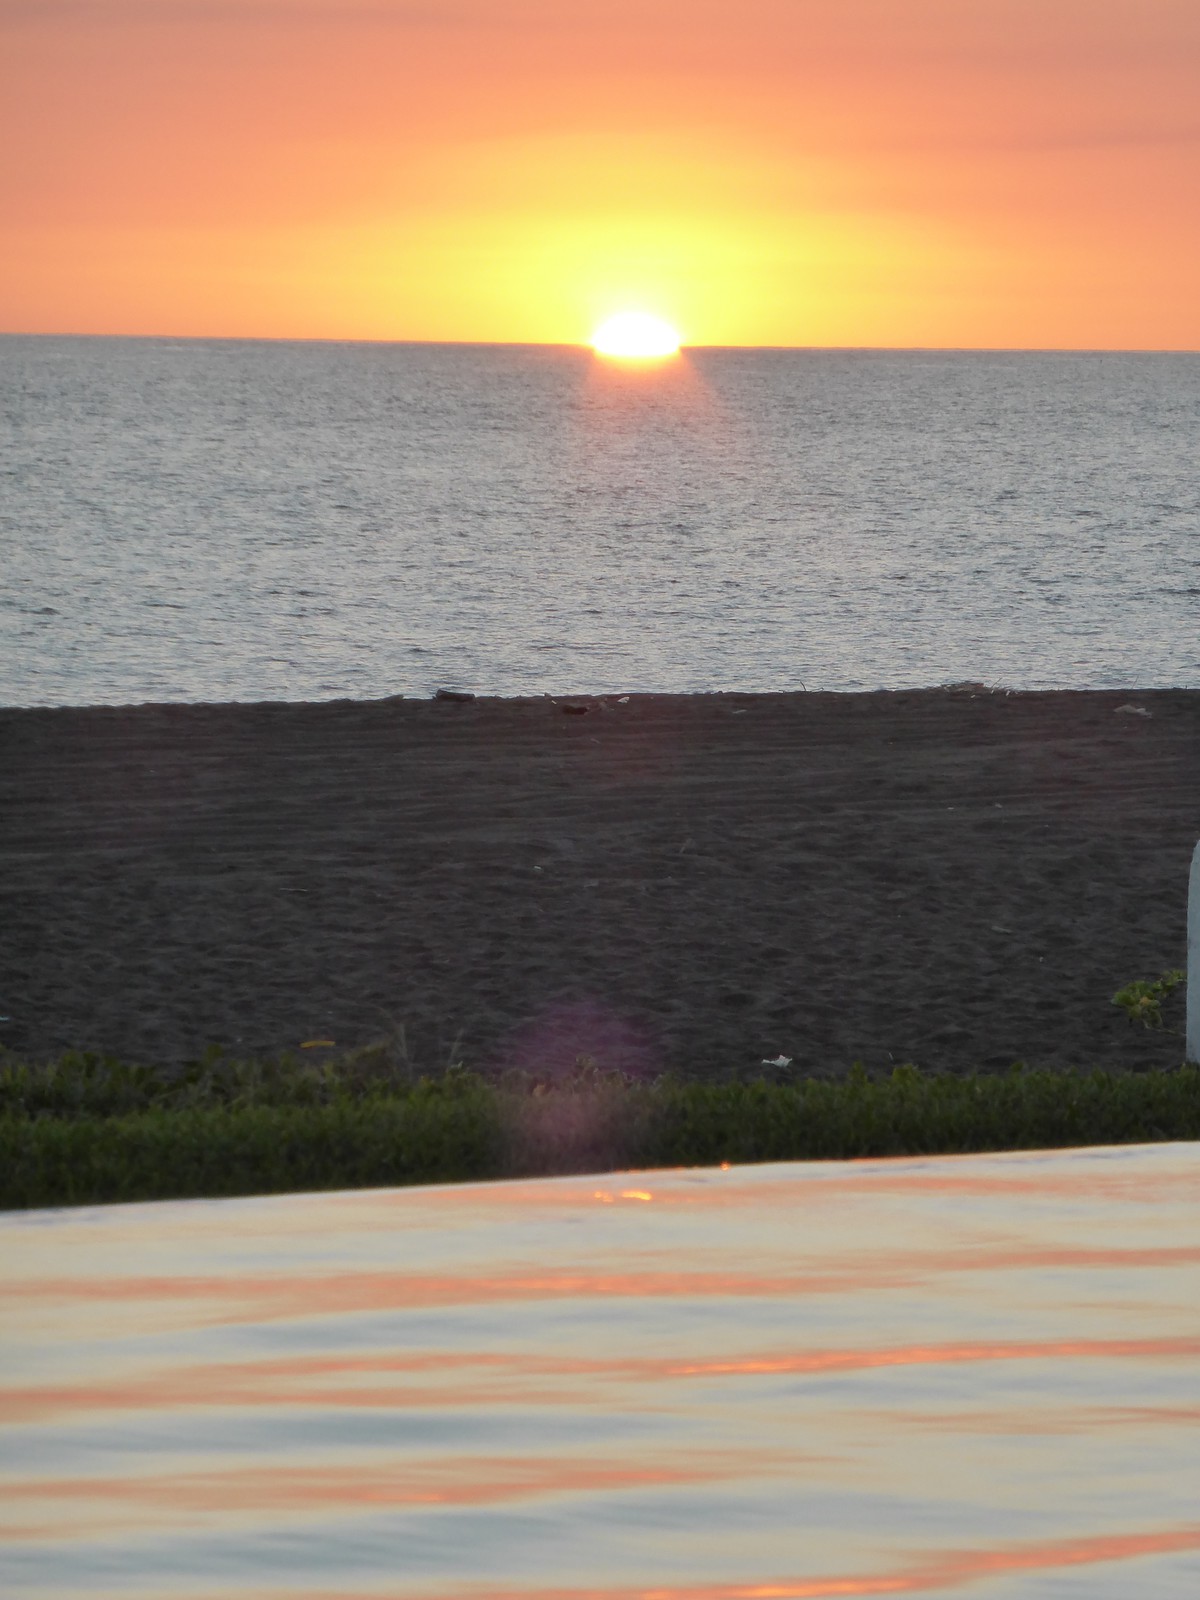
<point>862,172</point>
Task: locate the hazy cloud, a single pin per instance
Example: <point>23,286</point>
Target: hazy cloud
<point>104,13</point>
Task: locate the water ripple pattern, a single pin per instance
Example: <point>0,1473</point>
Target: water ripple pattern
<point>215,520</point>
<point>946,1377</point>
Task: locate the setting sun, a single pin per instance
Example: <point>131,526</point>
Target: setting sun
<point>635,336</point>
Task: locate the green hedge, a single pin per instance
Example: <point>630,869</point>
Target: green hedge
<point>88,1130</point>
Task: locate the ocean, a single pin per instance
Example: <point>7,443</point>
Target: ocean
<point>215,520</point>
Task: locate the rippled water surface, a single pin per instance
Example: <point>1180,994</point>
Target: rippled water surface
<point>224,520</point>
<point>953,1376</point>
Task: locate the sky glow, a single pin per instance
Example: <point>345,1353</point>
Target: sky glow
<point>862,172</point>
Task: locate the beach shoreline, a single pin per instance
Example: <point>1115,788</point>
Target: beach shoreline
<point>959,877</point>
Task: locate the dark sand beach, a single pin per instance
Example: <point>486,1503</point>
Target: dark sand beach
<point>953,877</point>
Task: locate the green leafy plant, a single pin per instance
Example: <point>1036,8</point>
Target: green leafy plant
<point>1142,1000</point>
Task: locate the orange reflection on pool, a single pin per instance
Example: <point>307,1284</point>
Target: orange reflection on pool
<point>908,1377</point>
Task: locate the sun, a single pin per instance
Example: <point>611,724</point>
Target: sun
<point>635,336</point>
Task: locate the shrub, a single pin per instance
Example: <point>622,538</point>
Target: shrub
<point>88,1129</point>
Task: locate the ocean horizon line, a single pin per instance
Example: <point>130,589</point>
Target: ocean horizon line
<point>584,347</point>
